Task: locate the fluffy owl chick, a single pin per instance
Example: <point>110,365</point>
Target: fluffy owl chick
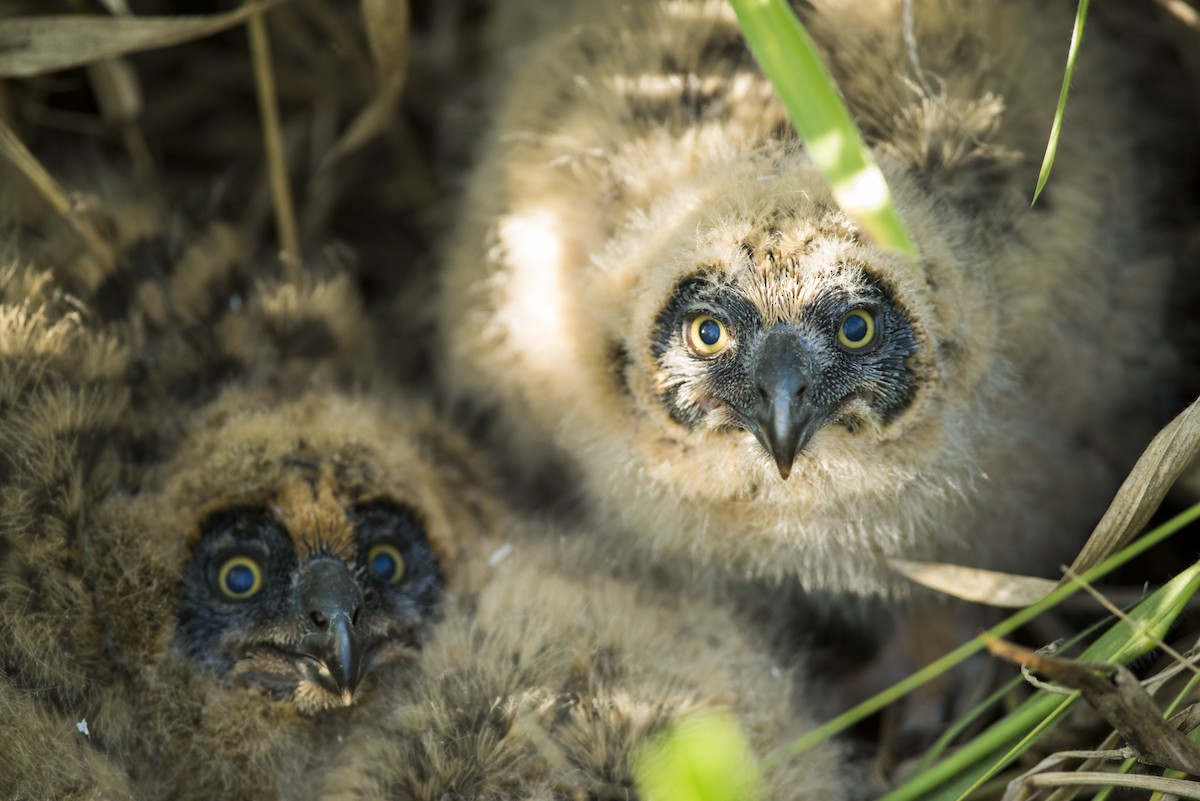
<point>654,285</point>
<point>547,681</point>
<point>217,547</point>
<point>301,550</point>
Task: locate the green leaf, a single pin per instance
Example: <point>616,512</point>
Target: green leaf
<point>939,666</point>
<point>790,60</point>
<point>702,757</point>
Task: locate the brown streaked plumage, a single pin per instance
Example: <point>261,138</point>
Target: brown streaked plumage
<point>220,540</point>
<point>60,381</point>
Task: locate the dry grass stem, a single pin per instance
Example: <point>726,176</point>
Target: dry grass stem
<point>1116,694</point>
<point>32,46</point>
<point>119,95</point>
<point>1180,787</point>
<point>14,149</point>
<point>1092,761</point>
<point>281,194</point>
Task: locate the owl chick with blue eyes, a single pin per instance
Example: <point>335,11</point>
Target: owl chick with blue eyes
<point>654,292</point>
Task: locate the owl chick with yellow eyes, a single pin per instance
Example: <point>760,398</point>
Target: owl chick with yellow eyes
<point>217,549</point>
<point>653,286</point>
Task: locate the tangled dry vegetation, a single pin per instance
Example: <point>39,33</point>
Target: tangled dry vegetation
<point>325,124</point>
<point>308,123</point>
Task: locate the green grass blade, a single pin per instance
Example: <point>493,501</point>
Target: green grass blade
<point>789,58</point>
<point>1056,128</point>
<point>1121,643</point>
<point>1003,628</point>
<point>951,734</point>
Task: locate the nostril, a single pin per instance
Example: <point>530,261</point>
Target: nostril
<point>319,619</point>
<point>354,617</point>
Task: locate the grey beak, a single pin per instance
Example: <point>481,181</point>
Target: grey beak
<point>331,599</point>
<point>785,418</point>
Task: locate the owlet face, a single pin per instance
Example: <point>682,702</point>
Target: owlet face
<point>307,620</point>
<point>782,347</point>
<point>320,548</point>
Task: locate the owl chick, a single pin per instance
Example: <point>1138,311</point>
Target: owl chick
<point>217,548</point>
<point>304,547</point>
<point>550,680</point>
<point>653,285</point>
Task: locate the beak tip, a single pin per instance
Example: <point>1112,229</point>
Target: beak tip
<point>785,470</point>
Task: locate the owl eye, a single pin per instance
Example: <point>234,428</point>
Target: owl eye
<point>857,329</point>
<point>385,563</point>
<point>240,577</point>
<point>706,335</point>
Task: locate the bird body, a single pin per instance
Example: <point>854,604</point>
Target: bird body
<point>59,380</point>
<point>653,286</point>
<point>218,548</point>
<point>551,676</point>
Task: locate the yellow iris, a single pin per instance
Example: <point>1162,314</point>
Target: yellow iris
<point>857,329</point>
<point>706,335</point>
<point>385,563</point>
<point>240,577</point>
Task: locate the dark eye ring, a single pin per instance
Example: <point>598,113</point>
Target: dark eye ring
<point>857,329</point>
<point>240,577</point>
<point>385,563</point>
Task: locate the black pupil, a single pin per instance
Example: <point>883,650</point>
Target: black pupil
<point>383,566</point>
<point>854,328</point>
<point>710,332</point>
<point>239,579</point>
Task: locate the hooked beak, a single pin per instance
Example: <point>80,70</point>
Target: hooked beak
<point>783,419</point>
<point>331,599</point>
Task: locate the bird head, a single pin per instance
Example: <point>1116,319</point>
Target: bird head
<point>839,358</point>
<point>774,323</point>
<point>308,623</point>
<point>322,543</point>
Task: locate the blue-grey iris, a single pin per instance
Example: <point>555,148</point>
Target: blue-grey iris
<point>710,332</point>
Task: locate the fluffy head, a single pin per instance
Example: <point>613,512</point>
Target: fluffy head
<point>349,516</point>
<point>784,339</point>
<point>311,561</point>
